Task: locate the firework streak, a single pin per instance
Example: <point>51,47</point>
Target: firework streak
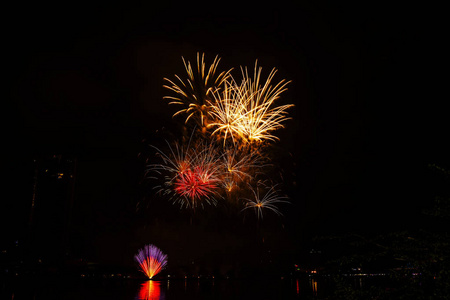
<point>237,121</point>
<point>193,92</point>
<point>191,175</point>
<point>268,201</point>
<point>151,260</point>
<point>247,110</point>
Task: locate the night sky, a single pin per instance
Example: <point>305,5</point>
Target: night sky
<point>85,79</point>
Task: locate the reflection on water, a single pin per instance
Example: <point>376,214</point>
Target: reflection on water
<point>314,286</point>
<point>193,289</point>
<point>186,289</point>
<point>150,290</point>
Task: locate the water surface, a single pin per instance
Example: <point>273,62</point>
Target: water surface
<point>130,289</point>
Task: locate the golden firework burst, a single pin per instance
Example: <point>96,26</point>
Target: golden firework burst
<point>194,92</point>
<point>248,110</point>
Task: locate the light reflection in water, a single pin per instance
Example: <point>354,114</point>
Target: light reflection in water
<point>150,290</point>
<point>314,286</point>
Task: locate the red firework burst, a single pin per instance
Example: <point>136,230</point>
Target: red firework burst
<point>195,184</point>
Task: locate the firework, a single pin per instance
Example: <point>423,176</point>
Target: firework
<point>151,260</point>
<point>268,201</point>
<point>192,175</point>
<point>227,111</point>
<point>194,92</point>
<point>239,167</point>
<point>195,184</point>
<point>248,110</point>
<point>237,119</point>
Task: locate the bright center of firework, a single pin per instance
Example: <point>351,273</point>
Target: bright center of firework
<point>194,184</point>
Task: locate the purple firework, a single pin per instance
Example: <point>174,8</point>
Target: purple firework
<point>151,260</point>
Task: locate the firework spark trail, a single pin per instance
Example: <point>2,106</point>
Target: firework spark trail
<point>240,166</point>
<point>151,260</point>
<point>226,110</point>
<point>201,180</point>
<point>194,184</point>
<point>247,110</point>
<point>192,176</point>
<point>201,173</point>
<point>268,201</point>
<point>178,161</point>
<point>260,116</point>
<point>196,90</point>
<point>241,116</point>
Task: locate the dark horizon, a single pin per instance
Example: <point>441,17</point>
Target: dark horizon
<point>368,118</point>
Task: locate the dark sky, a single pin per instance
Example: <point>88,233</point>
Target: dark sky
<point>86,79</point>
